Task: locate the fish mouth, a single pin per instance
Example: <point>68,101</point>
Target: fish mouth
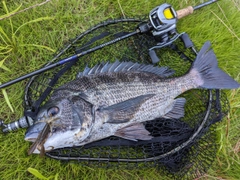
<point>38,134</point>
<point>33,131</point>
<point>36,129</point>
<point>31,139</point>
<point>40,150</point>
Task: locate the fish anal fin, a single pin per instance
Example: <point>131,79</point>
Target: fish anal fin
<point>134,132</point>
<point>124,111</point>
<point>176,109</point>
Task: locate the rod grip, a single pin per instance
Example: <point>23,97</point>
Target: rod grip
<point>184,12</point>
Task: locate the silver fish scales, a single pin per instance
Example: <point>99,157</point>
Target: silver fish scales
<point>114,99</point>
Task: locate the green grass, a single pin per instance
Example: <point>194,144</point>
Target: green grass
<point>29,39</point>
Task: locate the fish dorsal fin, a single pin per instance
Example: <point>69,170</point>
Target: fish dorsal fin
<point>117,66</point>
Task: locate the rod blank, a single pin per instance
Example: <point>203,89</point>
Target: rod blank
<point>63,61</point>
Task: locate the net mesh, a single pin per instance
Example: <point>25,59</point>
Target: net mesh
<point>181,148</point>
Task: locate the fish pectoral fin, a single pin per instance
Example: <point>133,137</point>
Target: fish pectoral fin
<point>124,111</point>
<point>134,132</point>
<point>176,109</point>
<point>85,97</point>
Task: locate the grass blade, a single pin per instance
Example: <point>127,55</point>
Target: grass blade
<point>7,99</point>
<point>8,50</point>
<point>9,13</point>
<point>6,9</point>
<point>33,21</point>
<point>5,35</point>
<point>5,68</point>
<point>2,66</point>
<point>37,174</point>
<point>39,46</point>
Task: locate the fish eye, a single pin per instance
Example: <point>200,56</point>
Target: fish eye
<point>52,111</point>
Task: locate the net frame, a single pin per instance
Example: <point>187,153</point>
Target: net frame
<point>169,161</point>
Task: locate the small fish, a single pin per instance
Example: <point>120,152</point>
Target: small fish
<point>41,138</point>
<point>115,99</point>
<point>38,144</point>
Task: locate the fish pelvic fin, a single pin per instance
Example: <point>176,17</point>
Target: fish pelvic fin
<point>134,132</point>
<point>206,72</point>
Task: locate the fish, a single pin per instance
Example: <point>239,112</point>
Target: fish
<point>115,99</point>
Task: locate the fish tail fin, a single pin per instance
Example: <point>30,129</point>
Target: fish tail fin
<point>206,72</point>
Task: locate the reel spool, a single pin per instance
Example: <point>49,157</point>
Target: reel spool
<point>181,148</point>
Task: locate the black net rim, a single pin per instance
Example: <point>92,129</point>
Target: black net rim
<point>193,140</point>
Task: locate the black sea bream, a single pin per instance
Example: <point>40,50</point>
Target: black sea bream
<point>114,100</point>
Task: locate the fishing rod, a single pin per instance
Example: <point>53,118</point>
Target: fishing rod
<point>162,21</point>
<point>161,24</point>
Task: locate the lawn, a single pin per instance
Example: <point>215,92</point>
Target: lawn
<point>30,38</point>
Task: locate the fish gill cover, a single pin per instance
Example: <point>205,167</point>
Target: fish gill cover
<point>181,148</point>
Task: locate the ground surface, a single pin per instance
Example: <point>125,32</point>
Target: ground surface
<point>28,40</point>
